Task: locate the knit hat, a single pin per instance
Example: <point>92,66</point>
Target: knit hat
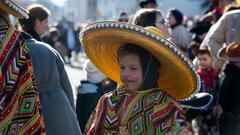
<point>92,74</point>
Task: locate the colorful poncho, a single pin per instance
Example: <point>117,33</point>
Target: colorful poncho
<point>20,111</point>
<point>146,112</point>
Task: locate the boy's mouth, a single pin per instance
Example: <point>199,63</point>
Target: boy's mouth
<point>127,82</point>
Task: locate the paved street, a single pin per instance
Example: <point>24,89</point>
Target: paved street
<point>75,72</point>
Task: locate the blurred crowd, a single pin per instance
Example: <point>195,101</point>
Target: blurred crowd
<point>211,41</point>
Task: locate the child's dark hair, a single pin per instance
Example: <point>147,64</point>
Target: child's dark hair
<point>129,48</point>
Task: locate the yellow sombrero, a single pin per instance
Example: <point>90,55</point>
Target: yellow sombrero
<point>13,8</point>
<point>101,40</point>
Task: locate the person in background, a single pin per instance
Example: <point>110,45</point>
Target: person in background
<point>151,17</point>
<point>52,37</point>
<point>213,13</point>
<point>90,90</point>
<point>59,46</point>
<point>216,10</point>
<point>123,17</point>
<point>148,4</point>
<point>198,31</point>
<point>78,49</point>
<point>223,33</point>
<point>207,122</point>
<point>56,95</point>
<point>178,32</point>
<point>229,90</point>
<point>192,51</point>
<point>19,97</point>
<point>71,41</point>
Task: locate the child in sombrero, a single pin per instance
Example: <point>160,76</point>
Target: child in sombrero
<point>152,72</point>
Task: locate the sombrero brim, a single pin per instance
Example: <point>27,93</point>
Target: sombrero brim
<point>13,8</point>
<point>222,54</point>
<point>101,40</point>
<point>199,101</point>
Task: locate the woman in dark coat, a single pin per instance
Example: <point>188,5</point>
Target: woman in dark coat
<point>55,90</point>
<point>229,90</point>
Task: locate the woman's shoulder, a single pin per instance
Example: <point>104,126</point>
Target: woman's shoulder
<point>39,45</point>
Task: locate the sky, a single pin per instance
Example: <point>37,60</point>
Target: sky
<point>58,2</point>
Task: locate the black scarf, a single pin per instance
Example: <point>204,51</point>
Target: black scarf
<point>34,34</point>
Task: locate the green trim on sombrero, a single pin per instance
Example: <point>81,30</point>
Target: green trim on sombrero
<point>13,8</point>
<point>178,76</point>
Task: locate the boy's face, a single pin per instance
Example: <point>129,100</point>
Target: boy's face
<point>131,71</point>
<point>204,61</point>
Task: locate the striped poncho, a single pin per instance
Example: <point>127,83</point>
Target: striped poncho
<point>143,112</point>
<point>20,111</point>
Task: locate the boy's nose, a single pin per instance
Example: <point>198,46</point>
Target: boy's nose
<point>126,74</point>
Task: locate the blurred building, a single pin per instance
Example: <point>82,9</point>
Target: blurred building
<point>187,7</point>
<point>84,10</point>
<point>110,9</point>
<point>80,10</point>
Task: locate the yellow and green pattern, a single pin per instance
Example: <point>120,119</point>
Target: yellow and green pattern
<point>143,112</point>
<point>20,111</point>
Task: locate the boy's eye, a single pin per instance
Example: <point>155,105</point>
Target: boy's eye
<point>122,68</point>
<point>202,59</point>
<point>133,68</point>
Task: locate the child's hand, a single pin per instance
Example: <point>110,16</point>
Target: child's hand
<point>123,131</point>
<point>217,111</point>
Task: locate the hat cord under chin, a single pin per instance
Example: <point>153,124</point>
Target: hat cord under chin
<point>149,63</point>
